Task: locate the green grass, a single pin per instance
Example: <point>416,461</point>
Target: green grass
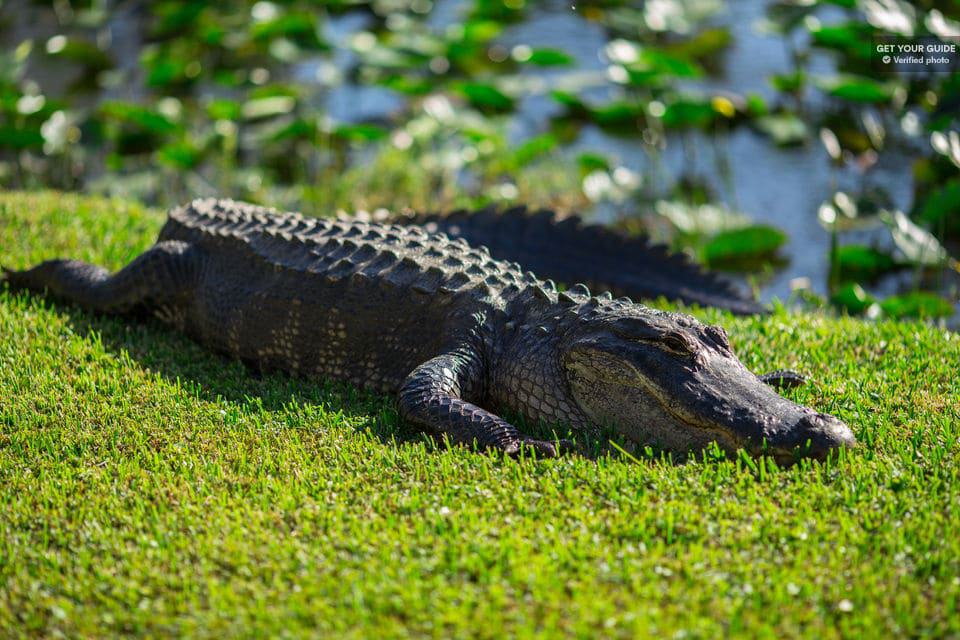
<point>150,488</point>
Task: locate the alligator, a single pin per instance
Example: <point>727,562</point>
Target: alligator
<point>459,337</point>
<point>569,250</point>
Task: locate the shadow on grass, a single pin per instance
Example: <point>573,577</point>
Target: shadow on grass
<point>213,376</point>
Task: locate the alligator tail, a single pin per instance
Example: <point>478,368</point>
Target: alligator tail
<point>158,276</point>
<point>570,251</point>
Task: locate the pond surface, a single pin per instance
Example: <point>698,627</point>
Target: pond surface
<point>780,186</point>
<point>740,168</point>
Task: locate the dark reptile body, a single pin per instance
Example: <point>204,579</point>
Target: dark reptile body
<point>457,335</point>
<point>569,250</point>
<point>367,303</point>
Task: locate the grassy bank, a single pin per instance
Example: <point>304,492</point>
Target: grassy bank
<point>148,487</point>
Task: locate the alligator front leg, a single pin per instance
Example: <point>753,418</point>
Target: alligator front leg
<point>432,398</point>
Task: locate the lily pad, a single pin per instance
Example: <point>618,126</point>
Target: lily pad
<point>300,28</point>
<point>857,89</point>
<point>942,207</point>
<point>78,51</point>
<point>590,162</point>
<point>619,114</point>
<point>20,137</point>
<point>548,58</point>
<point>689,112</point>
<point>534,148</point>
<point>224,110</point>
<point>182,155</point>
<point>486,96</point>
<point>853,39</point>
<point>142,117</point>
<point>360,132</point>
<point>852,298</point>
<point>748,242</point>
<point>857,261</point>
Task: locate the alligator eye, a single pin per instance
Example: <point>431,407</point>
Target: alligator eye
<point>677,343</point>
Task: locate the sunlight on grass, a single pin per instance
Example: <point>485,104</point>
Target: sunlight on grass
<point>148,487</point>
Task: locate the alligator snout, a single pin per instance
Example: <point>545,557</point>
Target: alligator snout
<point>814,435</point>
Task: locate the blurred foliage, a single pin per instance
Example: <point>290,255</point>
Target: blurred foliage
<point>170,100</point>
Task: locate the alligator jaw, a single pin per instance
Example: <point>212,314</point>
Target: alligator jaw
<point>786,431</point>
<point>814,435</point>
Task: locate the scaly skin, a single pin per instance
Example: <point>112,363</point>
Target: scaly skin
<point>456,335</point>
<point>570,251</point>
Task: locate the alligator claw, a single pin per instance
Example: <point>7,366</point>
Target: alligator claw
<point>784,379</point>
<point>540,448</point>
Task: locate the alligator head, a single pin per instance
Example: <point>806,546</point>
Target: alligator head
<point>666,378</point>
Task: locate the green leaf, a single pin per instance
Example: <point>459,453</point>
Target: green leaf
<point>942,206</point>
<point>300,28</point>
<point>856,261</point>
<point>20,138</point>
<point>480,31</point>
<point>854,39</point>
<point>360,132</point>
<point>176,17</point>
<point>486,96</point>
<point>79,51</point>
<point>549,58</point>
<point>180,155</point>
<point>590,162</point>
<point>298,129</point>
<point>917,304</point>
<point>142,117</point>
<point>408,85</point>
<point>568,100</point>
<point>618,114</point>
<point>534,148</point>
<point>165,71</point>
<point>857,89</point>
<point>224,109</point>
<point>748,242</point>
<point>687,112</point>
<point>788,82</point>
<point>852,298</point>
<point>664,63</point>
<point>756,105</point>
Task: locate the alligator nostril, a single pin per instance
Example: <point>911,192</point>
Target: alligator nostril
<point>814,434</point>
<point>824,432</point>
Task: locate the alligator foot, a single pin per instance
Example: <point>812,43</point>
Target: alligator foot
<point>783,379</point>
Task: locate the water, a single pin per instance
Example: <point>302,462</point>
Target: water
<point>782,187</point>
<point>777,186</point>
